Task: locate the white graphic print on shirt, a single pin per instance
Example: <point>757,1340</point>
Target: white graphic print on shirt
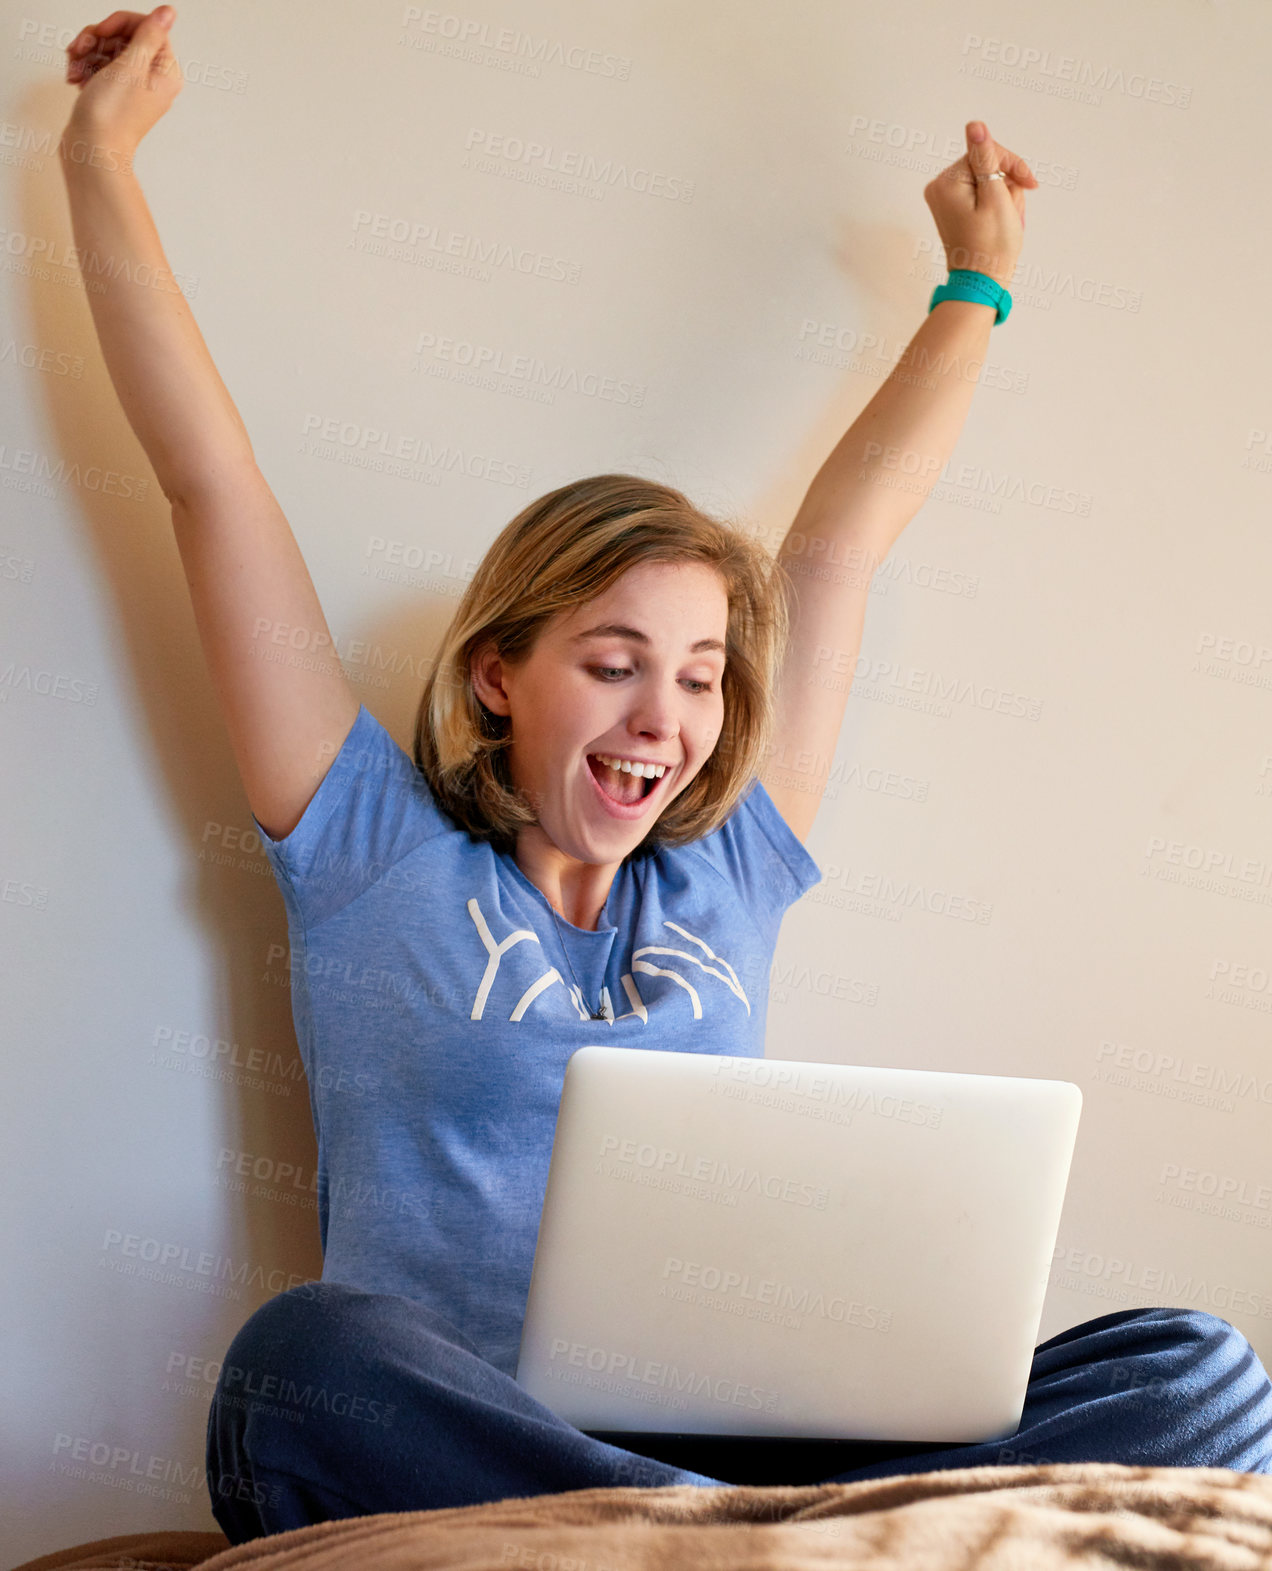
<point>495,952</point>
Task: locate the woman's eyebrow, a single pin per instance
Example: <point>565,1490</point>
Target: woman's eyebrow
<point>617,630</point>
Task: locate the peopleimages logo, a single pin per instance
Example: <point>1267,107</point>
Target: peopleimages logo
<point>179,1264</point>
<point>781,1296</point>
<point>608,1362</point>
<point>793,1078</point>
<point>711,1170</point>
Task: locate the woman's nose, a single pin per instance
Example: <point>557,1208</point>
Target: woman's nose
<point>655,715</point>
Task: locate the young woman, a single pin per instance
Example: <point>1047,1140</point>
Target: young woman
<point>595,837</point>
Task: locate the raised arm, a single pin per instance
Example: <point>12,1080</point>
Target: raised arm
<point>880,473</point>
<point>246,575</point>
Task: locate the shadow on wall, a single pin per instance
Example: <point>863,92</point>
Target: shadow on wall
<point>230,898</point>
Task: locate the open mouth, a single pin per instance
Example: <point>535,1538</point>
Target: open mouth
<point>621,786</point>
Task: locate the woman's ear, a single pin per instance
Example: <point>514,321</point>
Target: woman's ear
<point>487,673</point>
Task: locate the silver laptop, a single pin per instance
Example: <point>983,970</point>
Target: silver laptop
<point>755,1246</point>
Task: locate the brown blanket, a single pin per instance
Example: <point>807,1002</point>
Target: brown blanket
<point>1045,1518</point>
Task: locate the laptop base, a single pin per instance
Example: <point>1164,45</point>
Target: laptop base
<point>761,1459</point>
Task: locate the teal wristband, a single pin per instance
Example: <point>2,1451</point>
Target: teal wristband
<point>964,284</point>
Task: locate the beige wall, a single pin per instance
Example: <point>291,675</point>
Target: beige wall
<point>1046,843</point>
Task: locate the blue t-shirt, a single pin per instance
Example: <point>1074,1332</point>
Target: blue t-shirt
<point>436,1010</point>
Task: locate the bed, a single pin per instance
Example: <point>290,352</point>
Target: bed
<point>1021,1518</point>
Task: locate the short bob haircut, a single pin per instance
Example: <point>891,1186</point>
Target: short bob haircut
<point>565,548</point>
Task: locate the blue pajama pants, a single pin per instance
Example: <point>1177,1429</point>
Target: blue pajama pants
<point>332,1402</point>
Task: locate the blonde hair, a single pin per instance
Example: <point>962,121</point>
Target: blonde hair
<point>567,547</point>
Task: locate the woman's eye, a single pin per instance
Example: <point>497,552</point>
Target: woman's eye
<point>613,673</point>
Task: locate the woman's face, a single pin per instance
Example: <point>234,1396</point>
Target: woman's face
<point>631,676</point>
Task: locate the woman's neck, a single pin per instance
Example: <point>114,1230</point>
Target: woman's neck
<point>577,890</point>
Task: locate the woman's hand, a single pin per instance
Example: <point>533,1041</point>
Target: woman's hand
<point>127,76</point>
<point>980,221</point>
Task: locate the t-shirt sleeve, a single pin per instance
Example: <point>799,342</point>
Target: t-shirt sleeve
<point>371,810</point>
<point>758,853</point>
